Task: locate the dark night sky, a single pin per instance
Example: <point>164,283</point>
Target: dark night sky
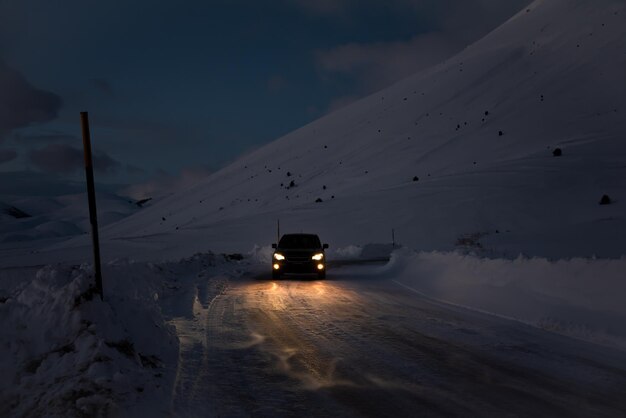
<point>188,86</point>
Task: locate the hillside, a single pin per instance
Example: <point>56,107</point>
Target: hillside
<point>460,155</point>
<point>39,208</point>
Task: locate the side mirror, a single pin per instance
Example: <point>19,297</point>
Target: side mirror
<point>325,246</point>
<point>274,245</point>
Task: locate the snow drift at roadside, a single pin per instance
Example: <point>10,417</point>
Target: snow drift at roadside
<point>67,353</point>
<point>579,297</point>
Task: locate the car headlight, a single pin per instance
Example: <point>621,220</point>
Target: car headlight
<point>279,256</point>
<point>317,257</point>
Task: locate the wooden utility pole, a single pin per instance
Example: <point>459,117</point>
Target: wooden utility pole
<point>91,197</point>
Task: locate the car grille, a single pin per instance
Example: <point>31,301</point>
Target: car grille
<point>298,256</point>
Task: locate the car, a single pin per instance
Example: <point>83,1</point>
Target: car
<point>299,253</point>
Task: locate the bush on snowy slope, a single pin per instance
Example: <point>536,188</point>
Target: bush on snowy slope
<point>580,297</point>
<point>67,353</point>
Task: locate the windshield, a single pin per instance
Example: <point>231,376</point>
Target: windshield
<point>300,241</point>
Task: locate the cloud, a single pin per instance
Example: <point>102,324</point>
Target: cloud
<point>452,14</point>
<point>312,110</point>
<point>276,83</point>
<point>322,7</point>
<point>134,170</point>
<point>377,65</point>
<point>165,183</point>
<point>45,137</point>
<point>64,159</point>
<point>469,20</point>
<point>32,183</point>
<point>21,104</point>
<point>341,102</point>
<point>7,155</point>
<point>103,86</point>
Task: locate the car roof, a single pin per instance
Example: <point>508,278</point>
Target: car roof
<point>299,235</point>
<point>300,241</point>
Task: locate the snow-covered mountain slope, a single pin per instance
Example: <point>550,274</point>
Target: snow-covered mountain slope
<point>460,154</point>
<point>37,208</point>
<point>29,218</point>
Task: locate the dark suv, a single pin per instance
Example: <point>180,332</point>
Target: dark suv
<point>299,253</point>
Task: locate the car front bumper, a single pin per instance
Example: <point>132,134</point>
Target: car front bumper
<point>285,266</point>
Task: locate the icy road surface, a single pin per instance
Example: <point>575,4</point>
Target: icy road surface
<point>359,345</point>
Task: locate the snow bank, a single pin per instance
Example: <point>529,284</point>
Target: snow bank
<point>261,254</point>
<point>349,252</point>
<point>580,297</point>
<point>67,353</point>
<point>371,251</point>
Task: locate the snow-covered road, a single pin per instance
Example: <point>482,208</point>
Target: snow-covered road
<point>359,345</point>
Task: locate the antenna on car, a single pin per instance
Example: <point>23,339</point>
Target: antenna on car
<point>277,230</point>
